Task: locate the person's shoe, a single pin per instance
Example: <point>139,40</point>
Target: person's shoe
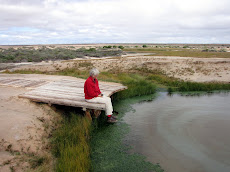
<point>111,120</point>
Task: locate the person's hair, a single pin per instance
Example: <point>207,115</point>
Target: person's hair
<point>94,72</point>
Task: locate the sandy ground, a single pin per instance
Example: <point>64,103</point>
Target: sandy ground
<point>24,129</point>
<point>186,68</point>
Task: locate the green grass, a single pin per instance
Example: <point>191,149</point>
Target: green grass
<point>180,52</point>
<point>179,85</point>
<point>71,144</point>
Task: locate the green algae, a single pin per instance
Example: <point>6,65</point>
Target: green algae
<point>108,150</point>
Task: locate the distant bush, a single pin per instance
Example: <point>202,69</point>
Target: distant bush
<point>92,49</point>
<point>121,47</point>
<point>109,46</point>
<point>26,54</point>
<point>186,46</point>
<point>222,50</point>
<point>144,46</point>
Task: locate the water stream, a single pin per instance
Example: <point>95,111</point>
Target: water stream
<point>183,133</point>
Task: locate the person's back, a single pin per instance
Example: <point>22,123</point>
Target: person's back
<point>94,95</point>
<point>91,88</point>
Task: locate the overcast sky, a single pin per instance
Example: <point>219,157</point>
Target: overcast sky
<point>114,21</point>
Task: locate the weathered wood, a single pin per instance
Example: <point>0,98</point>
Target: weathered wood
<point>62,92</point>
<point>60,101</point>
<point>88,115</point>
<point>20,82</point>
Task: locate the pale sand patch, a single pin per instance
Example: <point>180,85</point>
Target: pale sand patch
<point>22,130</point>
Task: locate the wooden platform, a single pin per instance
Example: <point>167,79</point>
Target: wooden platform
<point>19,82</point>
<point>70,93</point>
<point>58,90</point>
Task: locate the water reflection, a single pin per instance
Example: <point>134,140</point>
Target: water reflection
<point>183,132</point>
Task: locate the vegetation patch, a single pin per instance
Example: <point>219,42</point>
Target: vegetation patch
<point>30,54</point>
<point>78,147</point>
<point>180,52</point>
<point>108,151</point>
<point>180,85</point>
<point>71,144</point>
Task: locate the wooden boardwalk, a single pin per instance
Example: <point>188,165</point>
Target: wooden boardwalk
<point>66,92</point>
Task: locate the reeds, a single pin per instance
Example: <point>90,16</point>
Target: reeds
<point>180,85</point>
<point>71,144</point>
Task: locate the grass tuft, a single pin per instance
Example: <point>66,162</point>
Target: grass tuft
<point>71,144</point>
<point>179,85</point>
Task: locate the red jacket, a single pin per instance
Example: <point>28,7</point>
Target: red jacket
<point>91,88</point>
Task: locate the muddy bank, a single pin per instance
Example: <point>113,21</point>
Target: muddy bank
<point>24,130</point>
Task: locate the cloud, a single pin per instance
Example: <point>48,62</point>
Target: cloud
<point>101,21</point>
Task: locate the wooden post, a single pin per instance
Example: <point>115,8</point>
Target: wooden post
<point>87,114</point>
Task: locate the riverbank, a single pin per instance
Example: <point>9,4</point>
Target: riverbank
<point>139,85</point>
<point>25,132</point>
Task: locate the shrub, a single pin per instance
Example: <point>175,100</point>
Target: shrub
<point>109,46</point>
<point>44,53</point>
<point>186,46</point>
<point>121,47</point>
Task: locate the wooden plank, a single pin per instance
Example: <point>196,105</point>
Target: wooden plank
<point>100,82</point>
<point>50,86</point>
<point>82,104</point>
<point>82,85</point>
<point>24,82</point>
<point>59,96</point>
<point>55,92</point>
<point>4,80</point>
<point>34,84</point>
<point>71,90</point>
<point>8,81</point>
<point>16,83</point>
<point>76,92</point>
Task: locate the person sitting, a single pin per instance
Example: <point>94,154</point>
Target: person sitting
<point>94,95</point>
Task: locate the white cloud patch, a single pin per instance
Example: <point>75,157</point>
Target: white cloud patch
<point>97,21</point>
